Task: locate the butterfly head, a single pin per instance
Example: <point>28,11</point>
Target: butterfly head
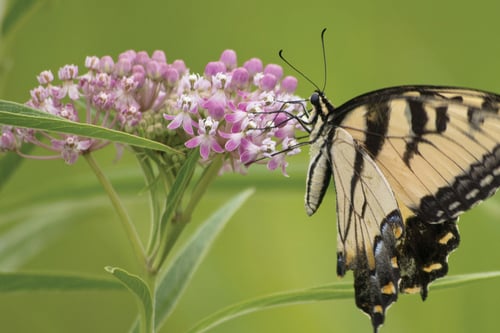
<point>321,107</point>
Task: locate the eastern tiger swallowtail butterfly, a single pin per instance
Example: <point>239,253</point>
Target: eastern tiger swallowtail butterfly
<point>406,161</point>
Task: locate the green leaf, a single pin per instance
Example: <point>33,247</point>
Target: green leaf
<point>136,326</point>
<point>141,291</point>
<point>179,187</point>
<point>19,115</point>
<point>322,293</point>
<point>317,294</point>
<point>454,281</point>
<point>451,281</point>
<point>172,282</point>
<point>28,282</point>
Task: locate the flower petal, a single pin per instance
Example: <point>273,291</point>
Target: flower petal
<point>205,150</point>
<point>193,142</point>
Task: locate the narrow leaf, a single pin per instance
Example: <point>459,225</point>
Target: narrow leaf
<point>451,281</point>
<point>28,282</point>
<point>136,326</point>
<point>174,280</point>
<point>19,115</point>
<point>179,187</point>
<point>271,301</point>
<point>141,291</point>
<point>328,292</point>
<point>454,281</point>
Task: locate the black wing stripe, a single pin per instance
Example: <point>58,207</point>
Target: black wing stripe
<point>419,121</point>
<point>442,118</point>
<point>377,123</point>
<point>481,182</point>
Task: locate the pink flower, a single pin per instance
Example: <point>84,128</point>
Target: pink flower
<point>214,67</point>
<point>71,147</point>
<point>238,111</point>
<point>249,151</point>
<point>216,105</point>
<point>129,116</point>
<point>68,74</point>
<point>228,57</point>
<point>206,139</point>
<point>45,77</point>
<point>253,66</point>
<point>68,112</point>
<point>8,141</point>
<point>234,140</point>
<point>250,122</point>
<point>240,78</point>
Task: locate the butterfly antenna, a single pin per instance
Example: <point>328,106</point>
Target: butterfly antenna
<point>324,56</point>
<point>297,70</point>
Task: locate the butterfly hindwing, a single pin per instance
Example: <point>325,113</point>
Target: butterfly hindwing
<point>369,222</point>
<point>423,253</point>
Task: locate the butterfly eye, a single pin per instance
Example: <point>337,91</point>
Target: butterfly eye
<point>314,99</point>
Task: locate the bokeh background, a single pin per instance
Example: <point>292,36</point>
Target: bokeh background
<point>270,245</point>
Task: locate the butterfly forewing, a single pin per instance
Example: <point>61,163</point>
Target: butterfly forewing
<point>442,141</point>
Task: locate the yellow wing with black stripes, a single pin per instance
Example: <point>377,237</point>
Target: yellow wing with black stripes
<point>438,147</point>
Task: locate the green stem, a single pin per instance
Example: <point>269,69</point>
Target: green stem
<point>127,224</point>
<point>173,231</point>
<point>154,196</point>
<point>179,221</point>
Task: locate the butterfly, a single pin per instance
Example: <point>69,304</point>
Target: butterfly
<point>405,161</point>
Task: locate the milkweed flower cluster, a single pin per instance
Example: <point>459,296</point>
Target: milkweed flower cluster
<point>239,111</point>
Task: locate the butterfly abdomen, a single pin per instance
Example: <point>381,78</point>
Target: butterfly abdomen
<point>319,177</point>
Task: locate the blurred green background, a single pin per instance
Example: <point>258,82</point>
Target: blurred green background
<point>270,245</point>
